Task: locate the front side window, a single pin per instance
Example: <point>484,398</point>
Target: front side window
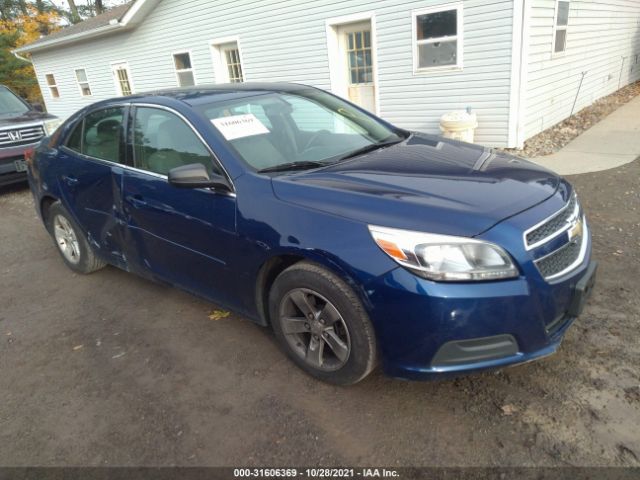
<point>560,27</point>
<point>83,82</point>
<point>184,69</point>
<point>102,135</point>
<point>162,141</point>
<point>53,86</point>
<point>305,127</point>
<point>437,38</point>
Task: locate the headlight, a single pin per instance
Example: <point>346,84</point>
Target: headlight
<point>51,126</point>
<point>443,257</point>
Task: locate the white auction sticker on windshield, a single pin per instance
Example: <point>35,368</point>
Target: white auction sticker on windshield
<point>238,126</point>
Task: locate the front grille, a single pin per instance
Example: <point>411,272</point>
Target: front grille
<point>561,259</point>
<point>21,136</point>
<point>554,225</point>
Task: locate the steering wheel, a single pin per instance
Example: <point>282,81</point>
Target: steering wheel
<point>315,137</point>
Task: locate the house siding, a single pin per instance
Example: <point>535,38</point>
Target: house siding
<point>287,41</point>
<point>599,35</point>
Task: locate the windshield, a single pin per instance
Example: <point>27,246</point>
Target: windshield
<point>305,128</point>
<point>10,104</point>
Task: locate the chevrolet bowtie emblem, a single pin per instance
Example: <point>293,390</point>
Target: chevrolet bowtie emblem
<point>576,230</point>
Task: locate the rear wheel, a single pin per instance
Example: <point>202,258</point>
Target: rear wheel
<point>71,243</point>
<point>321,324</point>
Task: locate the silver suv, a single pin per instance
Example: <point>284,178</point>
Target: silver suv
<point>22,126</point>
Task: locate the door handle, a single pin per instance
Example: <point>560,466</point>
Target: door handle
<point>136,201</point>
<point>70,180</point>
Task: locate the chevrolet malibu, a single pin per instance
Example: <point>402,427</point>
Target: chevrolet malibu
<point>356,241</point>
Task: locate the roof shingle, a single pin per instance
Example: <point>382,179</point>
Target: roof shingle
<point>89,24</point>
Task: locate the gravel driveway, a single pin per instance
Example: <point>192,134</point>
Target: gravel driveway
<point>111,369</point>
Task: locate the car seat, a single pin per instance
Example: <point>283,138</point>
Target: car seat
<point>172,149</point>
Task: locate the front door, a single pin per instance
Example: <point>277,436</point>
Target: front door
<point>182,235</point>
<point>357,51</point>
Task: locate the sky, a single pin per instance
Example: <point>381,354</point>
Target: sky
<point>107,3</point>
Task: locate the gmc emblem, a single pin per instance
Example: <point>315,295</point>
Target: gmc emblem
<point>15,136</point>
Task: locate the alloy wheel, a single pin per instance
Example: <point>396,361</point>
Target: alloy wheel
<point>314,329</point>
<point>66,239</point>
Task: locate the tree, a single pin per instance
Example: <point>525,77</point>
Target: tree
<point>24,21</point>
<point>22,29</point>
<point>74,16</point>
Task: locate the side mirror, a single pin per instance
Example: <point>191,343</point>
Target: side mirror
<point>37,107</point>
<point>195,175</point>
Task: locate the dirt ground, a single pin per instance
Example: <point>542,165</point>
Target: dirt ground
<point>111,369</point>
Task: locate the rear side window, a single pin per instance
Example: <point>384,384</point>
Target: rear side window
<point>75,139</point>
<point>162,141</point>
<point>99,135</point>
<point>103,133</point>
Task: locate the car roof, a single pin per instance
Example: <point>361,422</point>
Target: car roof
<point>203,94</point>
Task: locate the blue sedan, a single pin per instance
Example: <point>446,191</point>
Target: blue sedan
<point>357,242</point>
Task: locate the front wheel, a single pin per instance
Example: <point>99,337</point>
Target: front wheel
<point>322,325</point>
<point>71,243</point>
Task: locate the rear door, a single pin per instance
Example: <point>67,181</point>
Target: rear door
<point>184,236</point>
<point>89,176</point>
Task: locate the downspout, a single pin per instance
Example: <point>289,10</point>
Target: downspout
<point>20,57</point>
<point>524,71</point>
<point>519,70</point>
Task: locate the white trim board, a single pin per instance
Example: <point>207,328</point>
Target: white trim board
<point>519,69</point>
<point>220,72</point>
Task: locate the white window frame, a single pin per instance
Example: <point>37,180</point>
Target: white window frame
<point>125,66</point>
<point>459,37</point>
<point>50,87</point>
<point>220,67</point>
<point>557,27</point>
<point>176,70</point>
<point>79,83</point>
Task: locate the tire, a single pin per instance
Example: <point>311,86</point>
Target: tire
<point>321,324</point>
<point>70,242</point>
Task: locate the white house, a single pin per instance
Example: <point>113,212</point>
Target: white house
<point>519,64</point>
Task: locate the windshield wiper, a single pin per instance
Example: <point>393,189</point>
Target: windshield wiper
<point>301,165</point>
<point>370,148</point>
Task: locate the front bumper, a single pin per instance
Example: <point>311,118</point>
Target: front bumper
<point>432,330</point>
<point>9,174</point>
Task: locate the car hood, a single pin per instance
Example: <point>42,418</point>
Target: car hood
<point>425,183</point>
<point>28,117</point>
